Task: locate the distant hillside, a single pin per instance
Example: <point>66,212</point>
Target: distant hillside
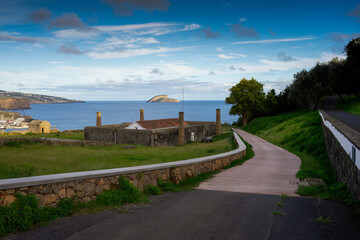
<point>36,98</point>
<point>13,103</point>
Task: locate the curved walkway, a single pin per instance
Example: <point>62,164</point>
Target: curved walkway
<point>271,171</point>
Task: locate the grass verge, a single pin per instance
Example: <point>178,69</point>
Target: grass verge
<point>23,159</point>
<point>351,105</point>
<point>301,133</point>
<point>25,213</point>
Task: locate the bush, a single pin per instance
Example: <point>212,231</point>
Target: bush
<point>152,190</point>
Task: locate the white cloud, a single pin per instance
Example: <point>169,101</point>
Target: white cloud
<point>224,56</point>
<point>242,19</point>
<point>126,53</point>
<point>275,40</point>
<point>230,55</point>
<point>191,27</point>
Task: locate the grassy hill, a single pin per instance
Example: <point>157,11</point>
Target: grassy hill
<point>351,105</point>
<point>301,133</point>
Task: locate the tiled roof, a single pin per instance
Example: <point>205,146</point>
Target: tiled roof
<point>160,123</point>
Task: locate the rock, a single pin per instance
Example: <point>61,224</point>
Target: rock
<point>89,188</point>
<point>91,180</point>
<point>80,194</point>
<point>86,199</point>
<point>62,193</point>
<point>100,181</point>
<point>79,187</point>
<point>206,140</point>
<point>70,192</point>
<point>55,188</point>
<point>9,191</point>
<point>45,199</point>
<point>9,199</point>
<point>46,190</point>
<point>98,190</point>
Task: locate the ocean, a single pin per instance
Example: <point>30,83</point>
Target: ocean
<point>79,115</point>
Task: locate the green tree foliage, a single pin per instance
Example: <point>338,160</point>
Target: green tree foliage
<point>352,66</point>
<point>271,103</point>
<point>338,81</point>
<point>247,98</point>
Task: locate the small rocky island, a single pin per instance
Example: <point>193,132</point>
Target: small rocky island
<point>163,99</point>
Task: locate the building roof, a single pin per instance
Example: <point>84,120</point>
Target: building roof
<point>160,123</point>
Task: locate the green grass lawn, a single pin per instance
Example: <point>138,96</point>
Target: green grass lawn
<point>76,135</point>
<point>301,133</point>
<point>350,106</point>
<point>32,159</point>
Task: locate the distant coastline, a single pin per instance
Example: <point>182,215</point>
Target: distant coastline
<point>18,100</point>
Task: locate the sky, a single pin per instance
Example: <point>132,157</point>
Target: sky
<point>118,50</point>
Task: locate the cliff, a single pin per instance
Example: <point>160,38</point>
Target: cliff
<point>163,99</point>
<point>13,103</point>
<point>36,98</point>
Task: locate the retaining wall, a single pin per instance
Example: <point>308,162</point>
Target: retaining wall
<point>49,189</point>
<point>343,144</point>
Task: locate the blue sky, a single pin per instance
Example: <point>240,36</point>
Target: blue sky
<point>135,49</point>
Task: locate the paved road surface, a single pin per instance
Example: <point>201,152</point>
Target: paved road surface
<point>213,214</point>
<point>351,120</point>
<point>271,171</point>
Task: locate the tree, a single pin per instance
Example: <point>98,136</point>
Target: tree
<point>352,64</point>
<point>337,77</point>
<point>271,103</point>
<point>247,98</point>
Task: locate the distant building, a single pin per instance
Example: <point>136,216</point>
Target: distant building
<point>155,124</point>
<point>39,126</point>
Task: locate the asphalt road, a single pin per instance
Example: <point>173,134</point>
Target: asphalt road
<point>213,214</point>
<point>351,120</point>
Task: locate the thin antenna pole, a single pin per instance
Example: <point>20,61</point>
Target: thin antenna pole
<point>183,99</point>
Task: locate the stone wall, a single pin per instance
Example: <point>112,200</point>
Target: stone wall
<point>155,138</point>
<point>86,186</point>
<point>339,140</point>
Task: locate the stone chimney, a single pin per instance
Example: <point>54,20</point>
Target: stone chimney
<point>98,118</point>
<point>141,114</point>
<point>218,122</point>
<point>181,137</point>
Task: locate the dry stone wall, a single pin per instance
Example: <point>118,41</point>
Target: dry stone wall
<point>86,186</point>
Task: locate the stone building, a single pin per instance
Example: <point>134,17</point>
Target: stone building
<point>155,137</point>
<point>39,126</point>
<point>155,133</point>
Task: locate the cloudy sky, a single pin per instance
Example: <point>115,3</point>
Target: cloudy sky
<point>135,49</point>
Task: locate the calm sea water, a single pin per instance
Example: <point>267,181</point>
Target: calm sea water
<point>80,115</point>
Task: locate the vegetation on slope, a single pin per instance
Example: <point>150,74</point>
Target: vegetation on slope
<point>301,133</point>
<point>351,105</point>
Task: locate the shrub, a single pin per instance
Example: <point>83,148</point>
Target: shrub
<point>152,190</point>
